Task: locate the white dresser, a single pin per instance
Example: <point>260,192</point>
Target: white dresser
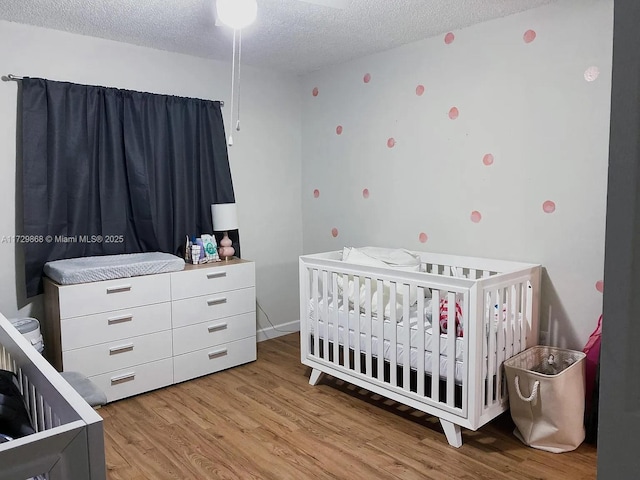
<point>137,334</point>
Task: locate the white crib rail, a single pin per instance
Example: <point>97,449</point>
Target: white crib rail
<point>69,441</point>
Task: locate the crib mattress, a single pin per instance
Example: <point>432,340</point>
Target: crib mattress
<point>109,267</point>
<point>347,323</point>
<point>343,314</point>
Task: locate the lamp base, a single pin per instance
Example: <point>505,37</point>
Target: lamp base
<point>226,251</point>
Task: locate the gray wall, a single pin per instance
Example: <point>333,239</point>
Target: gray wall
<point>540,108</point>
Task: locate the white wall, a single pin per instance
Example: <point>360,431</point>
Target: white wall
<point>265,159</point>
<point>526,103</point>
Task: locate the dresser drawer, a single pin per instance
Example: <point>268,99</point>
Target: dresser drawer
<point>212,307</point>
<point>208,334</point>
<point>78,332</point>
<point>214,359</point>
<point>131,381</point>
<point>119,354</point>
<point>204,280</point>
<point>109,295</point>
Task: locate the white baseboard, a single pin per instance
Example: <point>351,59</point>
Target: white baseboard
<point>282,329</point>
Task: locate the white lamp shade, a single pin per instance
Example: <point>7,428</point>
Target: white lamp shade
<point>237,14</point>
<point>224,217</point>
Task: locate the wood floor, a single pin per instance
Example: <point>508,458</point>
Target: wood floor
<point>264,421</point>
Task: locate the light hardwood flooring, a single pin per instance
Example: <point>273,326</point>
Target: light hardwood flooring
<point>264,421</point>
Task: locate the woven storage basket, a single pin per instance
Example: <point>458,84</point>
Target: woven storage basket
<point>546,395</point>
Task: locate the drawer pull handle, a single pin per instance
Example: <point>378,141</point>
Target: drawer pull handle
<point>119,319</point>
<point>216,301</point>
<point>220,326</point>
<point>217,353</point>
<point>127,377</point>
<point>121,349</point>
<point>216,274</point>
<point>119,288</point>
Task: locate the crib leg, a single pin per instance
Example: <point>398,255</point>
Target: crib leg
<point>453,433</point>
<point>316,375</point>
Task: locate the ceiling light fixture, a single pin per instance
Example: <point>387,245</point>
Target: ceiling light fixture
<point>236,14</point>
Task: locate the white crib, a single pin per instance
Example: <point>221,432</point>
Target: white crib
<point>69,442</point>
<point>459,379</point>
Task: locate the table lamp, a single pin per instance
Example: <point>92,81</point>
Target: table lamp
<point>224,218</point>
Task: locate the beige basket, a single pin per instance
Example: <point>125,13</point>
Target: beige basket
<point>546,396</point>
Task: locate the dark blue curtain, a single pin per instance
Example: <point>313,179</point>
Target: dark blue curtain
<point>109,171</point>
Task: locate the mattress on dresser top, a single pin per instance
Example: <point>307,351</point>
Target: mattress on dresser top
<point>109,267</point>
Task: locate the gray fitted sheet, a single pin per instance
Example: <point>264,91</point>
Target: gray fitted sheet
<point>109,267</point>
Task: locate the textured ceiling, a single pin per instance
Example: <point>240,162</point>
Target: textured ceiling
<point>290,35</point>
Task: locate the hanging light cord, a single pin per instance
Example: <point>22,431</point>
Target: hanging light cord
<point>239,66</point>
<point>233,81</point>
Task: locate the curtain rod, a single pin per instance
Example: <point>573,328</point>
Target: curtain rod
<point>11,77</point>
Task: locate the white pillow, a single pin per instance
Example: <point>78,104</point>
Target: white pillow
<point>382,258</point>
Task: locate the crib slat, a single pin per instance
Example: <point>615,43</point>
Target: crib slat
<point>487,319</point>
<point>406,348</point>
<point>500,329</point>
<point>512,321</point>
<point>347,329</point>
<point>393,346</point>
<point>420,331</point>
<point>41,407</point>
<point>467,318</point>
<point>316,313</point>
<point>33,405</point>
<point>451,348</point>
<point>325,316</point>
<point>357,317</point>
<point>367,325</point>
<point>525,313</point>
<point>381,312</point>
<point>491,367</point>
<point>336,319</point>
<point>435,345</point>
<point>48,418</point>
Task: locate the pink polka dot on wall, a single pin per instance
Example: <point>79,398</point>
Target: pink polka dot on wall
<point>453,113</point>
<point>339,130</point>
<point>476,216</point>
<point>600,286</point>
<point>315,91</point>
<point>366,78</point>
<point>529,36</point>
<point>316,193</point>
<point>334,232</point>
<point>391,142</point>
<point>549,206</point>
<point>487,159</point>
<point>449,38</point>
<point>365,193</point>
<point>423,237</point>
<point>591,73</point>
<point>419,90</point>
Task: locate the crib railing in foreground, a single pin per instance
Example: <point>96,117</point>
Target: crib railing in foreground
<point>69,442</point>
